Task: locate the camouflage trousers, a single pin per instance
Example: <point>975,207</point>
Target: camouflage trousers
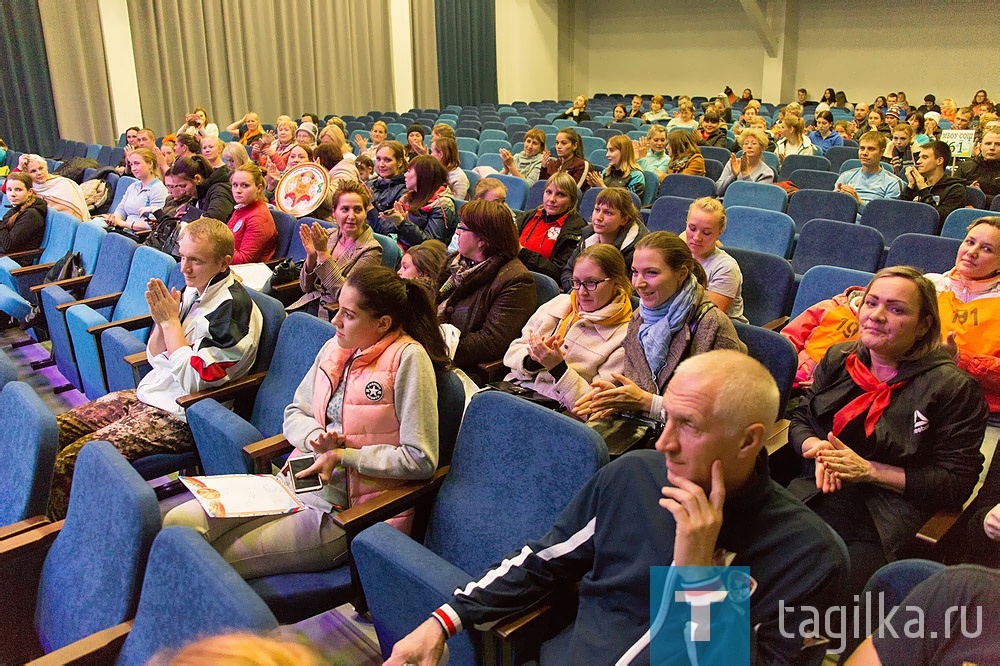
<point>134,428</point>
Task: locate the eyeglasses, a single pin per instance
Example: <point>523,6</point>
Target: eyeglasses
<point>588,285</point>
<point>462,228</point>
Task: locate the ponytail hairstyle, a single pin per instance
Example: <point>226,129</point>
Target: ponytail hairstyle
<point>25,180</point>
<point>675,253</point>
<point>189,167</point>
<point>255,172</point>
<point>575,139</point>
<point>190,142</point>
<point>429,258</point>
<point>149,158</point>
<point>408,303</point>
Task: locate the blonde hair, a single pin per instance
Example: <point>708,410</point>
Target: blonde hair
<point>236,152</point>
<point>712,206</point>
<point>755,133</point>
<point>214,231</point>
<point>241,649</point>
<point>627,162</point>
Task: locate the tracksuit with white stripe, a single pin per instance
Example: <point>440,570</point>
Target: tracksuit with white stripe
<point>613,531</point>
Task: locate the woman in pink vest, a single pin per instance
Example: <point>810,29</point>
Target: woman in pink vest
<point>367,409</point>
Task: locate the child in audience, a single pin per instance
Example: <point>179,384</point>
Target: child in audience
<point>445,151</point>
<point>743,122</point>
<point>569,159</point>
<point>576,338</point>
<point>622,170</point>
<point>527,163</point>
<point>424,262</point>
<point>899,153</point>
<point>685,120</point>
<point>843,128</point>
<point>365,441</point>
<point>366,168</point>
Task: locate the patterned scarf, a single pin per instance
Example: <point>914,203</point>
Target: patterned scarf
<point>660,324</point>
<point>873,401</point>
<point>461,270</point>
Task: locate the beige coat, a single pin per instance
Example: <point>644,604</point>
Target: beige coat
<point>591,351</point>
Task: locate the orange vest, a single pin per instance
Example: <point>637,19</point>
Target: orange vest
<point>976,323</point>
<point>369,415</point>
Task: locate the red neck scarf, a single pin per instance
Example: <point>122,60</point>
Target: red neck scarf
<point>874,400</point>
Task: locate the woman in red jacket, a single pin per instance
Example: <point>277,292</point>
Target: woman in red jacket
<point>251,223</point>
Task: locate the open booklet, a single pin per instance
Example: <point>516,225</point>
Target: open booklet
<point>242,495</point>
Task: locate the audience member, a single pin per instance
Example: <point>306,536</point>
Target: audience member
<point>445,151</point>
<point>364,444</point>
<point>750,166</point>
<point>963,118</point>
<point>652,151</point>
<point>714,493</point>
<point>340,169</point>
<point>187,145</point>
<point>635,111</point>
<point>278,149</point>
<point>706,220</point>
<point>823,137</point>
<point>929,183</point>
<point>211,150</point>
<point>424,262</point>
<point>254,233</point>
<point>899,153</point>
<point>656,111</point>
<point>202,338</point>
<point>916,121</point>
<point>334,135</point>
<point>577,112</point>
<point>793,139</point>
<point>575,339</point>
<point>241,649</point>
<point>197,123</point>
<point>59,192</point>
<point>615,221</point>
<point>213,193</point>
<point>549,234</point>
<point>485,291</point>
<point>675,319</point>
<point>983,170</point>
<point>306,134</point>
<point>618,115</point>
<point>685,119</point>
<point>931,129</point>
<point>389,185</point>
<point>23,225</point>
<point>711,134</point>
<point>622,170</point>
<point>366,168</point>
<point>819,327</point>
<point>415,140</point>
<point>378,134</point>
<point>253,132</point>
<point>234,155</point>
<point>685,157</point>
<point>569,159</point>
<point>528,163</point>
<point>861,113</point>
<point>869,181</point>
<point>426,211</point>
<point>949,109</point>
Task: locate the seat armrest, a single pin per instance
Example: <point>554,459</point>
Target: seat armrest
<point>95,302</point>
<point>22,526</point>
<point>31,270</point>
<point>137,359</point>
<point>27,254</point>
<point>226,392</point>
<point>778,438</point>
<point>68,284</point>
<point>388,503</point>
<point>266,450</point>
<point>937,527</point>
<point>493,370</point>
<point>287,286</point>
<point>36,540</point>
<point>776,324</point>
<point>98,648</point>
<point>129,324</point>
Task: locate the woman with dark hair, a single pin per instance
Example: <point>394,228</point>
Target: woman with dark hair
<point>187,145</point>
<point>365,441</point>
<point>389,185</point>
<point>675,320</point>
<point>841,101</point>
<point>197,123</point>
<point>549,234</point>
<point>576,338</point>
<point>445,150</point>
<point>616,222</point>
<point>415,140</point>
<point>823,137</point>
<point>569,158</point>
<point>424,262</point>
<point>332,255</point>
<point>619,115</point>
<point>829,97</point>
<point>916,121</point>
<point>894,427</point>
<point>23,225</point>
<point>426,210</point>
<point>214,196</point>
<point>980,103</point>
<point>880,103</point>
<point>486,292</point>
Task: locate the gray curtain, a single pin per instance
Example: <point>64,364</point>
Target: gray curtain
<point>269,56</point>
<point>75,47</point>
<point>423,34</point>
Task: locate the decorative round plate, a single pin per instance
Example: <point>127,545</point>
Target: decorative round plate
<point>301,189</point>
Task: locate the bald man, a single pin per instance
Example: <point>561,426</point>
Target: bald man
<point>704,497</point>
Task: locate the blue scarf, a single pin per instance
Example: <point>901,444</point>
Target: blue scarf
<point>660,324</point>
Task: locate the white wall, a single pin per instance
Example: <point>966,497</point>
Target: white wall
<point>527,49</point>
<point>650,46</point>
<point>670,47</point>
<point>947,48</point>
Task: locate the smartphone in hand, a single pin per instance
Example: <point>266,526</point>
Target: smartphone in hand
<point>306,484</point>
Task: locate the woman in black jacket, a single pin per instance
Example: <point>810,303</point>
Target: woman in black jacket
<point>549,234</point>
<point>389,185</point>
<point>214,193</point>
<point>23,226</point>
<point>893,425</point>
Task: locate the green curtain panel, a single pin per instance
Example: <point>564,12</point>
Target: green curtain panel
<point>28,122</point>
<point>467,51</point>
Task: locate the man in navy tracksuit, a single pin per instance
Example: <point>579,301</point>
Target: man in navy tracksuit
<point>713,503</point>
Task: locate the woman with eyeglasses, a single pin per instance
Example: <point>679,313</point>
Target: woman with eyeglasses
<point>485,291</point>
<point>576,338</point>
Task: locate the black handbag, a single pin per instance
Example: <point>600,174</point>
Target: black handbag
<point>284,272</point>
<point>624,431</point>
<point>528,394</point>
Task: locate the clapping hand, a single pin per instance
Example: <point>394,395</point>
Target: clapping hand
<point>595,179</point>
<point>545,351</point>
<point>624,397</point>
<point>843,462</point>
<point>164,304</point>
<point>951,344</point>
<point>506,157</point>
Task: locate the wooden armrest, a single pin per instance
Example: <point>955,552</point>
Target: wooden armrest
<point>31,270</point>
<point>274,262</point>
<point>98,648</point>
<point>129,324</point>
<point>26,254</point>
<point>493,370</point>
<point>38,539</point>
<point>550,613</point>
<point>68,284</point>
<point>506,630</point>
<point>136,359</point>
<point>388,503</point>
<point>95,302</point>
<point>332,308</point>
<point>22,526</point>
<point>778,438</point>
<point>266,450</point>
<point>287,286</point>
<point>142,234</point>
<point>224,393</point>
<point>937,526</point>
<point>776,324</point>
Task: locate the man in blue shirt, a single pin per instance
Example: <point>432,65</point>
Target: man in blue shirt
<point>870,181</point>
